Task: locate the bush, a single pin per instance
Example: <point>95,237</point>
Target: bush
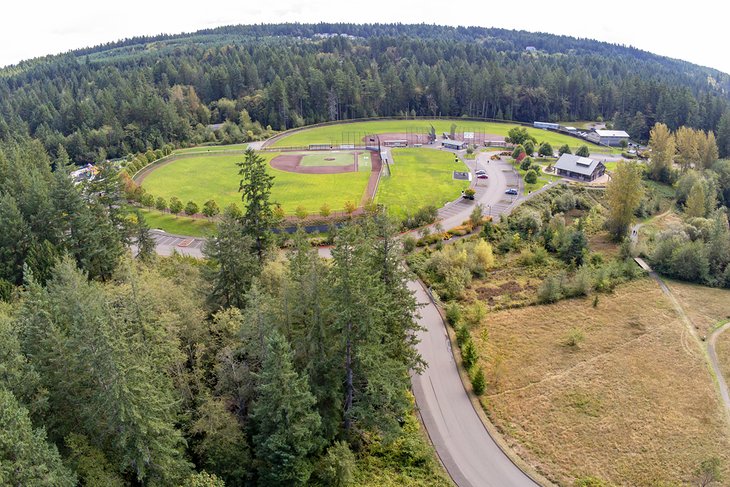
<point>526,163</point>
<point>574,338</point>
<point>325,210</point>
<point>564,149</point>
<point>478,382</point>
<point>469,354</point>
<point>583,151</point>
<point>462,335</point>
<point>423,216</point>
<point>301,212</point>
<point>550,291</point>
<point>453,314</point>
<point>409,244</point>
<point>530,177</point>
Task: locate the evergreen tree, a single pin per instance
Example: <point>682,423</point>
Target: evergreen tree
<point>15,240</point>
<point>286,424</point>
<point>258,216</point>
<point>143,240</point>
<point>25,456</point>
<point>232,263</point>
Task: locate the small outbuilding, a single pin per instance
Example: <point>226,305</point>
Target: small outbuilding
<point>454,144</point>
<point>580,168</point>
<point>608,137</point>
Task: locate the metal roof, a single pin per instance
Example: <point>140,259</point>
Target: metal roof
<point>577,164</point>
<point>612,133</point>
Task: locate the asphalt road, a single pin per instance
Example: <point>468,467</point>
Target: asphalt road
<point>461,440</point>
<point>466,449</point>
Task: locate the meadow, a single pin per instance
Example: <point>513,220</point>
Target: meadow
<point>614,404</point>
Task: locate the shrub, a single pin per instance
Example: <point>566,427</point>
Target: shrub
<point>574,338</point>
<point>325,210</point>
<point>564,149</point>
<point>453,314</point>
<point>350,207</point>
<point>526,163</point>
<point>550,291</point>
<point>462,335</point>
<point>583,151</point>
<point>301,212</point>
<point>590,482</point>
<point>469,354</point>
<point>423,216</point>
<point>476,216</point>
<point>478,382</point>
<point>409,244</point>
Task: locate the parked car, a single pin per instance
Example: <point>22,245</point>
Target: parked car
<point>511,191</point>
<point>482,176</point>
<point>480,171</point>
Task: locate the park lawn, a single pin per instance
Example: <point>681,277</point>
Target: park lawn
<point>179,225</point>
<point>632,404</point>
<point>420,177</point>
<point>543,178</point>
<point>205,177</point>
<point>212,148</point>
<point>333,134</point>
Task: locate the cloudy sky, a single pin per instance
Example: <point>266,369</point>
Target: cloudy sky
<point>695,32</point>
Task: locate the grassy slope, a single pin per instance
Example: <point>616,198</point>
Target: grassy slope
<point>631,404</point>
<point>202,178</point>
<point>420,177</point>
<point>333,133</point>
<point>181,225</point>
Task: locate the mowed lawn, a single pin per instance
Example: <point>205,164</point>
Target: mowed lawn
<point>333,134</point>
<point>420,177</point>
<point>201,178</point>
<point>632,404</point>
<point>179,225</point>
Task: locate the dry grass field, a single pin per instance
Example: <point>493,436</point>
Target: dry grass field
<point>632,402</point>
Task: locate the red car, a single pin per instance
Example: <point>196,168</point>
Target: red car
<point>482,176</point>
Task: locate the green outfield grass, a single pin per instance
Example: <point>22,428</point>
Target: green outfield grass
<point>200,178</point>
<point>334,158</point>
<point>334,133</point>
<point>212,148</point>
<point>420,177</point>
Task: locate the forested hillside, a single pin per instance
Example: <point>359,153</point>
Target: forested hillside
<point>125,97</point>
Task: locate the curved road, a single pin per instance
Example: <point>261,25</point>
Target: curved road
<point>468,451</point>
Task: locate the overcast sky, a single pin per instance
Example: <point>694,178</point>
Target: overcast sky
<point>694,31</point>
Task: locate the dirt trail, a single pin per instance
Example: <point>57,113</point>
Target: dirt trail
<point>712,353</point>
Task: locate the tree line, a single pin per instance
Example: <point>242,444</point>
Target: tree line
<point>233,84</point>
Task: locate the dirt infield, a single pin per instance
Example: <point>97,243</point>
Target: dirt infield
<point>290,163</point>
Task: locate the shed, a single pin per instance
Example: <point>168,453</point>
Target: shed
<point>454,144</point>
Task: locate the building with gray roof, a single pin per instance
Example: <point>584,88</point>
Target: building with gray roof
<point>580,168</point>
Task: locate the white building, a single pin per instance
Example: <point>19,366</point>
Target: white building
<point>608,137</point>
